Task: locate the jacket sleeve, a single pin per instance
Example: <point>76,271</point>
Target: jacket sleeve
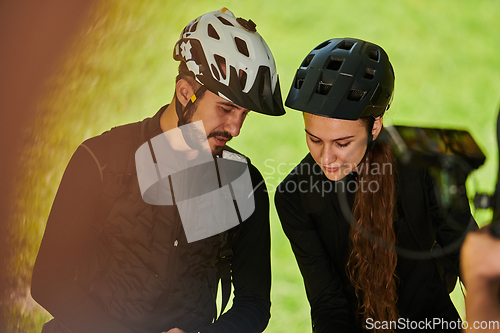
<point>451,224</point>
<point>251,270</point>
<point>329,306</point>
<point>69,227</point>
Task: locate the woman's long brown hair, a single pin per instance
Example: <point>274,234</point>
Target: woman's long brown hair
<point>372,262</point>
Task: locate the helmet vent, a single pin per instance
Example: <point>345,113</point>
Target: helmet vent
<point>323,88</point>
<point>369,73</point>
<point>242,46</point>
<point>373,54</point>
<point>322,45</point>
<point>307,60</point>
<point>221,63</point>
<point>345,45</point>
<point>243,78</point>
<point>334,64</point>
<point>195,54</point>
<point>224,21</point>
<point>356,95</point>
<point>265,85</point>
<point>298,83</point>
<point>212,33</point>
<point>193,27</point>
<point>215,71</point>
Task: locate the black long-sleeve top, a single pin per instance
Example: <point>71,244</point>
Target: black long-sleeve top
<point>69,229</point>
<point>320,241</point>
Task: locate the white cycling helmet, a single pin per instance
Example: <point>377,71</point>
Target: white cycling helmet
<point>227,56</point>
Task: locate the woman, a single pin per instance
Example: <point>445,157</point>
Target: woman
<point>350,211</point>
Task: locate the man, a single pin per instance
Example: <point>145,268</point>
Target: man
<point>115,257</point>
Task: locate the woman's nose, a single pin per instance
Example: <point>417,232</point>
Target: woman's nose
<point>328,156</point>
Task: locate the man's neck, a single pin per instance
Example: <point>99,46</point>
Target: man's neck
<point>168,119</point>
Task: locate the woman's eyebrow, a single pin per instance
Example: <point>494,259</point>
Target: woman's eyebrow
<point>311,134</point>
<point>338,139</point>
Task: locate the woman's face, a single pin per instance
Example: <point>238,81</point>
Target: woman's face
<point>337,145</point>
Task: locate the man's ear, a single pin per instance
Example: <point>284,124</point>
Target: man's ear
<point>183,91</point>
<point>377,127</point>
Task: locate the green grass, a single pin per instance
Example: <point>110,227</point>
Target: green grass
<point>120,69</point>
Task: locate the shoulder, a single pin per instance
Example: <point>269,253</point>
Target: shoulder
<point>304,173</point>
<point>85,169</point>
<point>122,140</point>
<point>117,145</point>
<point>288,192</point>
<point>232,154</point>
<point>97,147</point>
<point>415,188</point>
<point>412,176</point>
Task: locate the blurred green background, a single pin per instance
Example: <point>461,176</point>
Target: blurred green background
<point>120,69</point>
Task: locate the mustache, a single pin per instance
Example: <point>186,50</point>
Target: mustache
<point>223,134</point>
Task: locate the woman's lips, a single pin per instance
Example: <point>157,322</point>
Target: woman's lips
<point>331,169</point>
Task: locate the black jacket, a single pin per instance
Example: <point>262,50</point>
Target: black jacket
<point>138,273</point>
<point>310,209</point>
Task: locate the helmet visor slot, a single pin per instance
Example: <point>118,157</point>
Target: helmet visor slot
<point>355,95</point>
<point>334,64</point>
<point>323,88</point>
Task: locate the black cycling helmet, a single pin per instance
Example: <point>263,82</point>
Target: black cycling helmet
<point>227,56</point>
<point>343,78</point>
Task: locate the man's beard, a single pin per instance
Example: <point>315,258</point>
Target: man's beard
<point>195,139</point>
<point>218,149</point>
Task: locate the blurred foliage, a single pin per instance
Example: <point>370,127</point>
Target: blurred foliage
<point>120,69</point>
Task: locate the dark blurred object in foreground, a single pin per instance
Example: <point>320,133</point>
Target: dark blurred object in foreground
<point>450,155</point>
<point>435,147</point>
<point>454,154</point>
<point>33,37</point>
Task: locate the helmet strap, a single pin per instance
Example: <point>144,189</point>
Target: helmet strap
<point>369,146</point>
<point>181,112</point>
<point>370,143</point>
